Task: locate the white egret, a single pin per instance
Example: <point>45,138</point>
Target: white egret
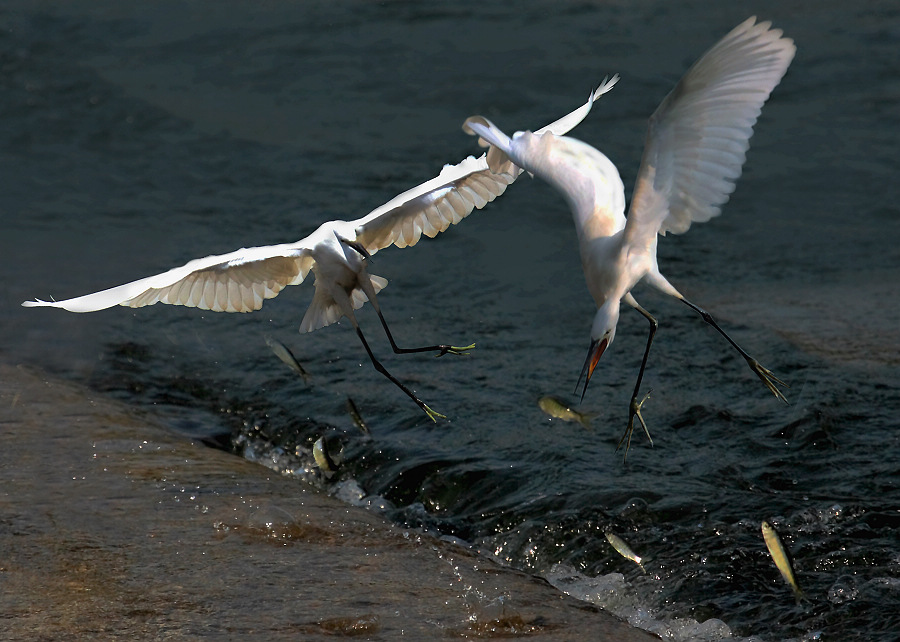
<point>337,253</point>
<point>695,147</point>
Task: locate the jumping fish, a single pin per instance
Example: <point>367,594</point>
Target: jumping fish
<point>282,352</point>
<point>560,410</point>
<point>328,452</point>
<point>780,557</point>
<point>357,418</point>
<point>624,550</point>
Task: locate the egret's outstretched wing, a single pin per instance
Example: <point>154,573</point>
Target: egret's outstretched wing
<point>236,282</point>
<point>499,162</point>
<point>699,135</point>
<point>240,281</point>
<point>568,122</point>
<point>488,134</point>
<point>433,206</point>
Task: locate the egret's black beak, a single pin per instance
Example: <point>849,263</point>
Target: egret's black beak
<point>358,247</point>
<point>593,357</point>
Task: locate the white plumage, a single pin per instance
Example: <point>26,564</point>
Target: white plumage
<point>695,147</point>
<point>336,252</point>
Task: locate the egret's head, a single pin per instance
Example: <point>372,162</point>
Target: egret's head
<point>603,332</point>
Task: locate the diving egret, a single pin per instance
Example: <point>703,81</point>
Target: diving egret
<point>337,253</point>
<point>695,146</point>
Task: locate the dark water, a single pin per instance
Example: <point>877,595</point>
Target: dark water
<point>133,138</point>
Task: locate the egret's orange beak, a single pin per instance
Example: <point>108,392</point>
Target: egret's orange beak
<point>593,357</point>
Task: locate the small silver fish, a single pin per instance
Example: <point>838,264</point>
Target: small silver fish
<point>560,410</point>
<point>281,351</point>
<point>357,418</point>
<point>624,549</point>
<point>780,557</point>
<point>328,452</point>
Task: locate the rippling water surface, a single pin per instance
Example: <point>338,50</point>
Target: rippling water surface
<point>135,138</point>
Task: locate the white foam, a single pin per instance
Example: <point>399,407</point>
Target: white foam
<point>612,593</point>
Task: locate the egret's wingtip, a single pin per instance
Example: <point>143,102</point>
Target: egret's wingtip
<point>474,120</point>
<point>607,84</point>
<point>474,126</point>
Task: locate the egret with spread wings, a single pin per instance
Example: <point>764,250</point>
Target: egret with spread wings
<point>695,148</point>
<point>337,253</point>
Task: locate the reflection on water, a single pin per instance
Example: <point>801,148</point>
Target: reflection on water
<point>138,137</point>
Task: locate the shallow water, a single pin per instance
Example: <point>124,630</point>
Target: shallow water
<point>136,138</point>
<point>135,532</point>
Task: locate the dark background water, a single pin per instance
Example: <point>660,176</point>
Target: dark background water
<point>133,138</point>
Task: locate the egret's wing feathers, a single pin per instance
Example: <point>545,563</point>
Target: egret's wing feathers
<point>236,282</point>
<point>497,159</point>
<point>568,122</point>
<point>242,280</point>
<point>433,206</point>
<point>488,133</point>
<point>699,135</point>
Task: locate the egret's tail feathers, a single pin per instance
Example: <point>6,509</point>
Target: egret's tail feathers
<point>489,135</point>
<point>324,310</point>
<point>359,297</point>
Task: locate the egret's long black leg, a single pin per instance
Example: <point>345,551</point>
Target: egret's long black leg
<point>440,349</point>
<point>763,373</point>
<point>365,284</point>
<point>634,409</point>
<point>380,368</point>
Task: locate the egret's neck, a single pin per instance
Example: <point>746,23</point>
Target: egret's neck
<point>586,178</point>
<point>605,320</point>
<point>598,202</point>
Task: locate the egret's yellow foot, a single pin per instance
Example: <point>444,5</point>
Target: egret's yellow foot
<point>454,350</point>
<point>432,414</point>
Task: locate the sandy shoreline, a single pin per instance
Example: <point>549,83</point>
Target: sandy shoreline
<point>114,528</point>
